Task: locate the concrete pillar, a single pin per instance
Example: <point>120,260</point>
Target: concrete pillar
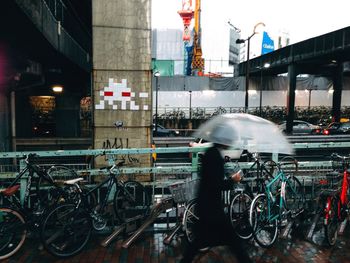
<point>337,94</point>
<point>4,121</point>
<point>67,116</point>
<point>122,76</point>
<point>292,78</point>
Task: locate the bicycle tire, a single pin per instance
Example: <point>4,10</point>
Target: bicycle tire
<point>331,222</point>
<point>266,174</point>
<point>66,230</point>
<point>190,219</point>
<point>239,215</point>
<point>130,201</point>
<point>13,232</point>
<point>264,231</point>
<point>56,174</point>
<point>294,195</point>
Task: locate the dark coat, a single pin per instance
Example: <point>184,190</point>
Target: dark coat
<point>214,227</point>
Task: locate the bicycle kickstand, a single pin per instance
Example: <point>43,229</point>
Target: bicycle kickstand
<point>167,240</point>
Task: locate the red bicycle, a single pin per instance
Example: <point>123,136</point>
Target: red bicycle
<point>337,204</point>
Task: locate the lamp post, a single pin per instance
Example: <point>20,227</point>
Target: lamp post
<point>156,74</point>
<point>266,65</point>
<point>190,104</point>
<point>241,41</point>
<point>310,90</point>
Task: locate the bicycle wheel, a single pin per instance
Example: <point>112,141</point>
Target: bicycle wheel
<point>48,193</point>
<point>331,220</point>
<point>13,232</point>
<point>265,230</point>
<point>66,230</point>
<point>239,215</point>
<point>131,201</point>
<point>267,172</point>
<point>190,219</point>
<point>294,196</point>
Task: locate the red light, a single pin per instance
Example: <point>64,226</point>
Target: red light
<point>326,132</point>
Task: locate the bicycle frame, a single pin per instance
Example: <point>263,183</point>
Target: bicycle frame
<point>271,200</point>
<point>342,198</point>
<point>260,170</point>
<point>111,180</point>
<point>31,169</point>
<point>344,188</point>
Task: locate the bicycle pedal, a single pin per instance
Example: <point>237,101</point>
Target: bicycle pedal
<point>283,223</point>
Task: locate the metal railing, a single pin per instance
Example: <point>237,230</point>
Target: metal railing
<point>161,173</point>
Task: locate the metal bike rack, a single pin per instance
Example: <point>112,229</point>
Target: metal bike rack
<point>159,171</point>
<point>159,208</point>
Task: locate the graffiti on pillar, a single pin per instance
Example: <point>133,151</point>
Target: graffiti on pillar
<point>120,143</point>
<point>120,96</point>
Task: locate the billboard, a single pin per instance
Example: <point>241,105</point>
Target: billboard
<point>267,44</point>
<point>234,48</point>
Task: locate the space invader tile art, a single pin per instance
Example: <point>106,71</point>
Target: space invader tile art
<point>118,94</point>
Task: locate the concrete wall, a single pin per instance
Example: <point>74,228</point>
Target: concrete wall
<point>122,75</point>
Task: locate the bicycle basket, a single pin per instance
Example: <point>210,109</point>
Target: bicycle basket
<point>184,191</point>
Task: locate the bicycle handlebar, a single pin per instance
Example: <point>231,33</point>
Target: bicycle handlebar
<point>342,157</point>
<point>29,157</point>
<point>112,167</point>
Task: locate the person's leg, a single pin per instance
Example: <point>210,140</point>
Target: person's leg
<point>190,252</point>
<point>236,247</point>
<point>230,238</point>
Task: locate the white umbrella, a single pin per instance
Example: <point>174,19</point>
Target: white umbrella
<point>246,132</point>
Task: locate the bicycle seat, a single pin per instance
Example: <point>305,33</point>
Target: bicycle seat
<point>10,190</point>
<point>73,181</point>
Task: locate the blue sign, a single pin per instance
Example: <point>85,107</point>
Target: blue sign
<point>267,44</point>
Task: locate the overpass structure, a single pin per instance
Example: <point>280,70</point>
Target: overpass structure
<point>42,43</point>
<point>326,55</point>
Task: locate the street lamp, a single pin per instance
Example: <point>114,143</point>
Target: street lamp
<point>309,90</point>
<point>190,104</point>
<point>241,41</point>
<point>156,74</point>
<point>266,65</point>
<point>235,28</point>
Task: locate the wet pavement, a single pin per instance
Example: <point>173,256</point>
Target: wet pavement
<point>150,248</point>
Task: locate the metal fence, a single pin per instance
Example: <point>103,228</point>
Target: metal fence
<point>163,176</point>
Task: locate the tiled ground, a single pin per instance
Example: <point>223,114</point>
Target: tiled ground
<point>150,248</point>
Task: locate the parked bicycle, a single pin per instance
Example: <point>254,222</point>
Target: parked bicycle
<point>67,228</point>
<point>271,210</point>
<point>239,198</point>
<point>257,175</point>
<point>337,205</point>
<point>16,218</point>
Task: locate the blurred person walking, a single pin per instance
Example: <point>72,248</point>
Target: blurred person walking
<point>214,227</point>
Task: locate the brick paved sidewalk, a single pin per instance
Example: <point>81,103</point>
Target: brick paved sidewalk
<point>150,249</point>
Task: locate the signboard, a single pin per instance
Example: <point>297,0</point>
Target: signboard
<point>234,48</point>
<point>267,44</point>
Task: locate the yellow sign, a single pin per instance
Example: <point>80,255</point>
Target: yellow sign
<point>154,155</point>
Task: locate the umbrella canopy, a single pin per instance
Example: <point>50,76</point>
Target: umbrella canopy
<point>245,131</point>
